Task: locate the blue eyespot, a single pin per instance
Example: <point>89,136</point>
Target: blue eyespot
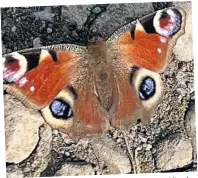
<point>147,88</point>
<point>60,109</point>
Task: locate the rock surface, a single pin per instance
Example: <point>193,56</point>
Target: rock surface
<point>41,157</point>
<point>190,123</point>
<point>173,153</point>
<point>76,14</point>
<point>186,39</point>
<point>75,170</point>
<point>21,128</point>
<point>14,172</point>
<point>117,15</point>
<point>114,158</point>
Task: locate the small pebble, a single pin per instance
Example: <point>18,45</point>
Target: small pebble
<point>96,10</point>
<point>49,30</point>
<point>13,29</point>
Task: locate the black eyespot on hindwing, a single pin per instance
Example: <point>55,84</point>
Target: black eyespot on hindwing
<point>60,109</point>
<point>147,88</point>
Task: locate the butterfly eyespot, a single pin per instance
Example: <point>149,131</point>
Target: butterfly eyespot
<point>147,88</point>
<point>14,67</point>
<point>167,22</point>
<point>60,109</point>
<point>9,60</point>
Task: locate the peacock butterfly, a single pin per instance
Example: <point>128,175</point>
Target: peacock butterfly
<point>85,90</point>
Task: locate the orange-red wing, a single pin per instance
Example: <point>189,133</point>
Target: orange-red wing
<point>149,42</point>
<point>39,86</point>
<point>57,75</point>
<point>147,50</point>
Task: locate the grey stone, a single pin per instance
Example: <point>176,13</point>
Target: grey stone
<point>26,132</point>
<point>22,129</point>
<point>13,29</point>
<point>3,49</point>
<point>75,170</point>
<point>144,161</point>
<point>190,124</point>
<point>96,10</point>
<point>118,15</point>
<point>173,152</point>
<point>46,14</point>
<point>49,30</point>
<point>42,155</point>
<point>37,42</point>
<point>77,14</point>
<point>114,158</point>
<point>14,172</point>
<point>185,41</point>
<point>169,114</point>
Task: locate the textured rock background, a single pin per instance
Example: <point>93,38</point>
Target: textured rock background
<point>167,144</point>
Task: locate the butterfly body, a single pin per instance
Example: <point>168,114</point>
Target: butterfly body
<point>84,90</point>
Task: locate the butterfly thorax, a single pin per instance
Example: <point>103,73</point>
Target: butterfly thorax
<point>100,64</point>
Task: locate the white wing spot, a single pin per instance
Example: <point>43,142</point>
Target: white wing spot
<point>32,88</point>
<point>159,50</point>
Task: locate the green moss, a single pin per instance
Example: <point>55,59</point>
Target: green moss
<point>183,106</point>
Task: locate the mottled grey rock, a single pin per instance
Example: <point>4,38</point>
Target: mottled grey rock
<point>178,86</point>
<point>39,161</point>
<point>22,129</point>
<point>96,10</point>
<point>77,14</point>
<point>46,14</point>
<point>3,49</point>
<point>173,152</point>
<point>114,158</point>
<point>118,15</point>
<point>75,170</point>
<point>14,172</point>
<point>190,123</point>
<point>13,29</point>
<point>140,141</point>
<point>25,132</point>
<point>49,30</point>
<point>144,161</point>
<point>185,41</point>
<point>37,42</point>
